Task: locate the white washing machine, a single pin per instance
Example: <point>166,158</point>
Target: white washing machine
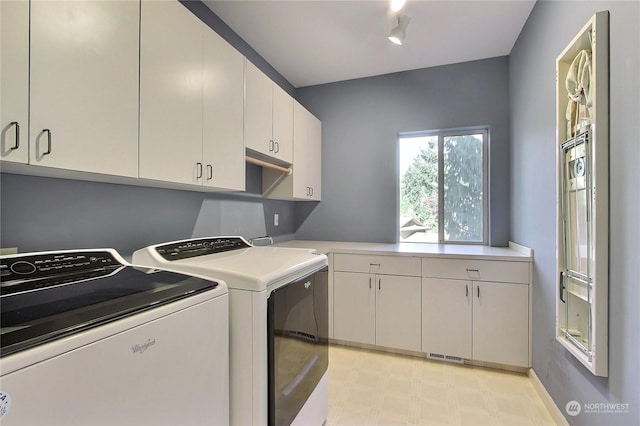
<point>278,301</point>
<point>88,340</point>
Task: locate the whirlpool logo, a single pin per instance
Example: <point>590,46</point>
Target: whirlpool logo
<point>140,348</point>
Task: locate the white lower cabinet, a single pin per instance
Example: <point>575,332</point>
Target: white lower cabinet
<point>377,300</point>
<point>447,323</point>
<point>501,323</point>
<point>398,306</point>
<point>382,310</point>
<point>472,309</point>
<point>354,308</point>
<point>484,321</point>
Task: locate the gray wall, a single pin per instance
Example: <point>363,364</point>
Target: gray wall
<point>212,20</point>
<point>361,120</point>
<point>551,26</point>
<point>39,213</point>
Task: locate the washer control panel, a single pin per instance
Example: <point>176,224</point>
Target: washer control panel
<point>35,271</point>
<point>200,247</point>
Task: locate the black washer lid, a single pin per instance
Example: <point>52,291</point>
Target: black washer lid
<point>67,303</point>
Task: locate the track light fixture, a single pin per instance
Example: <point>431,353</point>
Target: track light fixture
<point>399,33</point>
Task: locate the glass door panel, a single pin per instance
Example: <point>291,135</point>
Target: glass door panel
<point>576,213</point>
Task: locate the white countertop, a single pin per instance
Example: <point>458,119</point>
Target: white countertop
<point>514,252</point>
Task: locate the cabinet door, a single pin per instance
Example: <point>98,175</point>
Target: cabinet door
<point>307,152</point>
<point>398,312</point>
<point>501,323</point>
<point>84,85</point>
<point>258,111</point>
<point>223,136</point>
<point>14,81</point>
<point>282,124</point>
<point>170,93</point>
<point>354,307</point>
<point>447,317</point>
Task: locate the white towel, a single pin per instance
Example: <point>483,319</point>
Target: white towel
<point>578,84</point>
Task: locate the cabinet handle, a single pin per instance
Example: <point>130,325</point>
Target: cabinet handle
<point>478,292</point>
<point>17,145</point>
<point>561,287</point>
<point>467,286</point>
<point>271,145</point>
<point>199,175</point>
<point>209,172</point>
<point>48,151</point>
<point>473,270</point>
<point>277,147</point>
<point>311,188</point>
<point>369,282</point>
<point>379,281</point>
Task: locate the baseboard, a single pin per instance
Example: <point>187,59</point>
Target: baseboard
<point>555,412</point>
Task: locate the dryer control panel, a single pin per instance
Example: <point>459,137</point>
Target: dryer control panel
<point>200,246</point>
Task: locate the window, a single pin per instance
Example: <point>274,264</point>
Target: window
<point>443,182</point>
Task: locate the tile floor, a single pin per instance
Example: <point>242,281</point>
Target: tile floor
<point>377,388</point>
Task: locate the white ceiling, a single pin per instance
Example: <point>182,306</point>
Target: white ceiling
<point>313,42</point>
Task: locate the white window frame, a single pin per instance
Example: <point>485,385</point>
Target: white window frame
<point>441,134</point>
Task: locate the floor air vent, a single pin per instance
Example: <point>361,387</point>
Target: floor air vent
<point>448,358</point>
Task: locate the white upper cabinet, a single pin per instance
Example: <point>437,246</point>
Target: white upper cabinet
<point>268,118</point>
<point>191,101</point>
<point>84,85</point>
<point>14,81</point>
<point>304,183</point>
<point>223,134</point>
<point>307,154</point>
<point>282,124</point>
<point>171,91</point>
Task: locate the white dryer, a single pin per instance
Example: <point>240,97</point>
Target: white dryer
<point>88,340</point>
<point>278,302</point>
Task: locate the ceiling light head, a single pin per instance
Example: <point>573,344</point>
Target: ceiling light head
<point>396,5</point>
<point>399,33</point>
